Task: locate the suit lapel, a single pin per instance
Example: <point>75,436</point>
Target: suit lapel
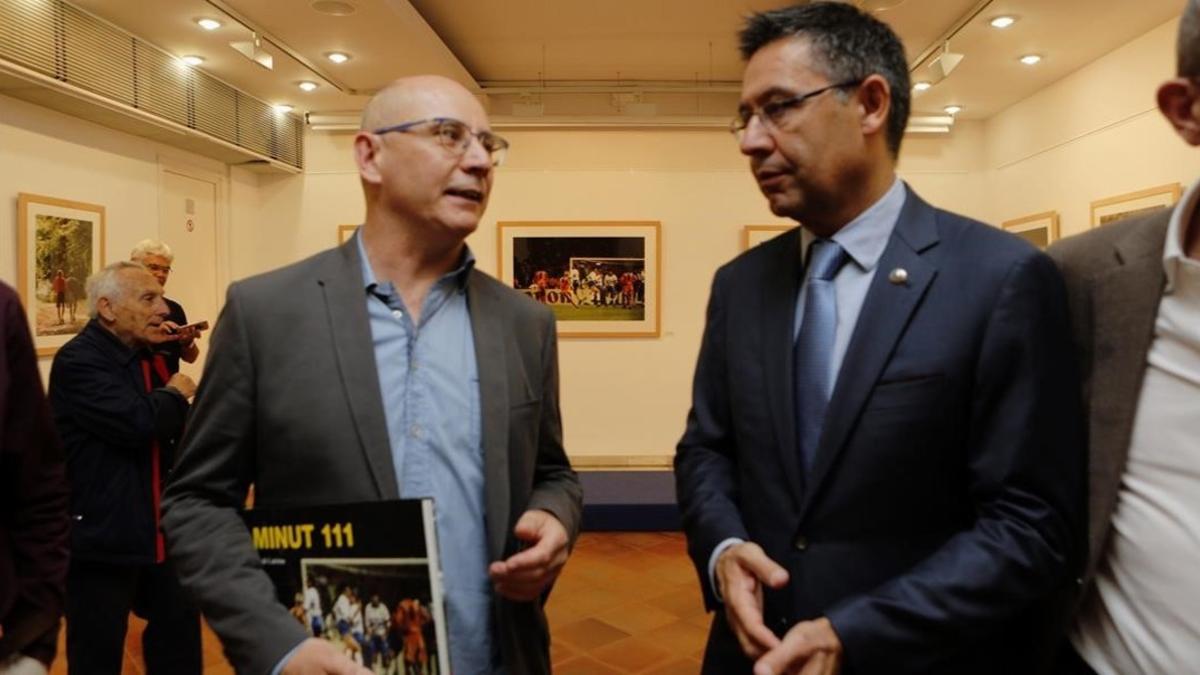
<point>1125,305</point>
<point>780,288</point>
<point>492,364</point>
<point>884,316</point>
<point>340,279</point>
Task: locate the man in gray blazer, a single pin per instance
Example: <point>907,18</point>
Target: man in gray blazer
<point>1134,292</point>
<point>388,367</point>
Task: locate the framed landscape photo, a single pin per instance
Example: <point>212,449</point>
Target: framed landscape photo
<point>601,279</point>
<point>1040,229</point>
<point>60,243</point>
<point>1112,209</point>
<point>753,235</point>
<point>345,232</point>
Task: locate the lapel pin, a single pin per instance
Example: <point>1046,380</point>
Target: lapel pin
<point>898,276</point>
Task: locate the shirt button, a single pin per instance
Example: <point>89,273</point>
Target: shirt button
<point>415,430</point>
<point>801,543</point>
<point>398,314</point>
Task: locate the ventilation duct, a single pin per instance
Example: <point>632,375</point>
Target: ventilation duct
<point>63,48</point>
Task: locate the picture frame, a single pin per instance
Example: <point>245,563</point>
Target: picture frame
<point>60,243</point>
<point>753,235</point>
<point>602,279</point>
<point>1112,209</point>
<point>1040,229</point>
<point>344,232</point>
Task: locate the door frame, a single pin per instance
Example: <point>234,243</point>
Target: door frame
<point>168,164</point>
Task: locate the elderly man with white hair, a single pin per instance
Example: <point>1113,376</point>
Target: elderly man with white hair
<point>157,257</point>
<point>120,414</point>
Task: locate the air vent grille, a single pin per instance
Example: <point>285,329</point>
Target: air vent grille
<point>61,41</point>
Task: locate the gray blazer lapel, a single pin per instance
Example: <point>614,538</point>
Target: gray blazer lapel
<point>1124,306</point>
<point>350,332</point>
<point>779,316</point>
<point>492,361</point>
<point>881,322</point>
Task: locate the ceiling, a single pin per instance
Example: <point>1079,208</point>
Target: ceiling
<point>589,58</point>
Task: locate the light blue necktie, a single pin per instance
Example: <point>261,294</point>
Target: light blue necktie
<point>814,346</point>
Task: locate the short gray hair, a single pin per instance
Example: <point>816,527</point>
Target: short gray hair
<point>107,284</point>
<point>147,247</point>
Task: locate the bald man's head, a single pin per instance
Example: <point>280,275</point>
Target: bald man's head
<point>401,99</point>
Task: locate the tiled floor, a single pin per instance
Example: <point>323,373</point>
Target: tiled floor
<point>627,602</point>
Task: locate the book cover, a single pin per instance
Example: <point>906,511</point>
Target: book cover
<point>363,576</point>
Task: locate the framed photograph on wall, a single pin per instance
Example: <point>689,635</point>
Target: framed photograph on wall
<point>1111,209</point>
<point>345,232</point>
<point>1040,229</point>
<point>60,243</point>
<point>753,235</point>
<point>601,279</point>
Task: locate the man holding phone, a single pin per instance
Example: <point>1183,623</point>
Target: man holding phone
<point>157,257</point>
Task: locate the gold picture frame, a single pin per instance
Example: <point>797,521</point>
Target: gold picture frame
<point>1112,209</point>
<point>60,243</point>
<point>753,235</point>
<point>602,279</point>
<point>1040,229</point>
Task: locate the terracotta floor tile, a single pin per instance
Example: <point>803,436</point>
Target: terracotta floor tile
<point>589,634</point>
<point>680,637</point>
<point>682,602</point>
<point>583,665</point>
<point>632,655</point>
<point>676,667</point>
<point>637,617</point>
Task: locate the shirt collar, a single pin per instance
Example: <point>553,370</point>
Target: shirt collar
<point>458,276</point>
<point>1181,217</point>
<point>865,237</point>
<point>110,343</point>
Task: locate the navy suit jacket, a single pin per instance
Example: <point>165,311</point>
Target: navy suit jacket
<point>946,500</point>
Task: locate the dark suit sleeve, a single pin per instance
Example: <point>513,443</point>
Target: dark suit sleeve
<point>1025,466</point>
<point>555,485</point>
<point>34,486</point>
<point>206,538</point>
<point>705,460</point>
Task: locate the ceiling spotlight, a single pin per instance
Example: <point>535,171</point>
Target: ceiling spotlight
<point>307,86</point>
<point>1003,22</point>
<point>338,57</point>
<point>953,109</point>
<point>208,24</point>
<point>1031,59</point>
<point>944,63</point>
<point>192,60</point>
<point>252,49</point>
<point>922,86</point>
<point>282,108</point>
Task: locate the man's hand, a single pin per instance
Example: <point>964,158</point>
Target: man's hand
<point>182,384</point>
<point>742,570</point>
<point>318,657</point>
<point>524,576</point>
<point>184,335</point>
<point>809,648</point>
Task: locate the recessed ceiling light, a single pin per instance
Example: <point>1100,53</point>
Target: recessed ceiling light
<point>953,109</point>
<point>192,60</point>
<point>334,7</point>
<point>338,57</point>
<point>1003,22</point>
<point>282,108</point>
<point>922,86</point>
<point>1031,59</point>
<point>208,24</point>
<point>307,86</point>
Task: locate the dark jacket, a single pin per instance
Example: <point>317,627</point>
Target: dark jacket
<point>33,497</point>
<point>108,423</point>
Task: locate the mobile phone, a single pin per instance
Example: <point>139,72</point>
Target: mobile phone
<point>198,325</point>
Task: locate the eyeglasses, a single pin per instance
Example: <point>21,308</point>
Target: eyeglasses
<point>166,269</point>
<point>455,135</point>
<point>773,114</point>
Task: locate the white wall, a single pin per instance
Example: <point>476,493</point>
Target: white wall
<point>48,153</point>
<point>1094,134</point>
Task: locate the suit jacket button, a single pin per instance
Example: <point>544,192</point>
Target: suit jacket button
<point>801,543</point>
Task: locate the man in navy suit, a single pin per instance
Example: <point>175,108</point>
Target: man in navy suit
<point>882,469</point>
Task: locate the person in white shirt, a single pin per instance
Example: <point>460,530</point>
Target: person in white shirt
<point>313,614</point>
<point>379,620</point>
<point>1134,290</point>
